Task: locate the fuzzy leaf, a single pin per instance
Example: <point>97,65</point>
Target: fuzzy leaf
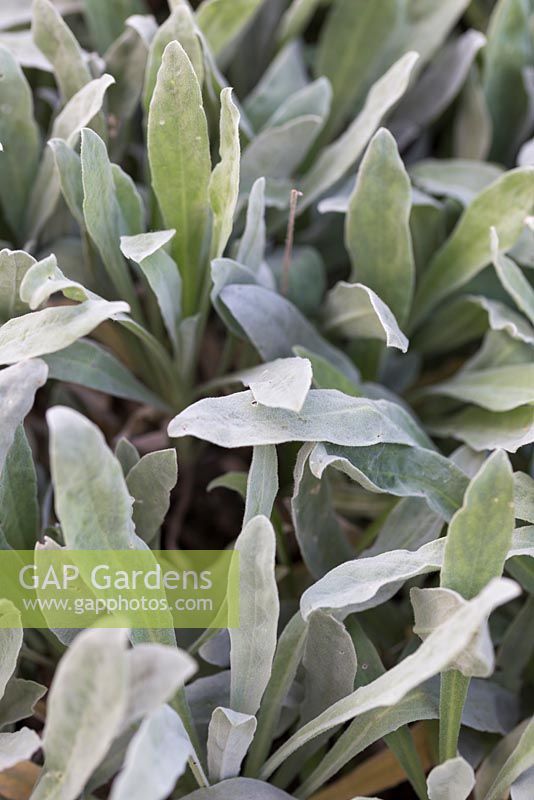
<point>229,737</point>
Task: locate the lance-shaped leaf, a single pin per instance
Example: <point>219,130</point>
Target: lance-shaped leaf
<point>314,99</point>
<point>17,747</point>
<point>512,279</point>
<point>251,248</point>
<point>180,163</point>
<point>262,483</point>
<point>359,44</point>
<point>53,329</point>
<point>460,179</point>
<point>85,707</point>
<point>508,53</point>
<point>78,113</point>
<point>147,250</point>
<point>14,265</point>
<point>399,470</point>
<point>441,647</point>
<point>377,230</point>
<point>296,18</point>
<point>337,159</point>
<point>222,20</point>
<point>286,661</point>
<point>253,644</point>
<point>326,416</point>
<point>18,385</point>
<point>179,27</point>
<point>480,534</point>
<point>277,152</point>
<point>275,326</point>
<point>102,214</point>
<point>156,757</point>
<point>512,757</point>
<point>488,430</point>
<point>321,540</point>
<point>57,42</point>
<point>155,673</point>
<point>19,700</point>
<point>354,311</point>
<point>524,496</point>
<point>90,365</point>
<point>19,136</point>
<point>229,737</point>
<point>150,483</point>
<point>286,75</point>
<point>79,477</point>
<point>452,780</point>
<point>224,182</point>
<point>106,20</point>
<point>500,389</point>
<point>240,789</point>
<point>368,582</point>
<point>503,205</point>
<point>476,547</point>
<point>10,642</point>
<point>19,504</point>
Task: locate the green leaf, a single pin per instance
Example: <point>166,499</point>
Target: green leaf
<point>53,329</point>
<point>378,239</point>
<point>18,385</point>
<point>251,248</point>
<point>327,415</point>
<point>79,112</point>
<point>458,178</point>
<point>180,164</point>
<point>398,470</point>
<point>102,214</point>
<point>276,153</point>
<point>57,42</point>
<point>222,21</point>
<point>83,467</point>
<point>224,182</point>
<point>296,19</point>
<point>524,496</point>
<point>10,643</point>
<point>229,737</point>
<point>313,100</point>
<point>322,542</point>
<point>360,41</point>
<point>88,364</point>
<point>509,51</point>
<point>19,506</point>
<point>106,20</point>
<point>500,389</point>
<point>156,757</point>
<point>434,655</point>
<point>336,160</point>
<point>513,756</point>
<point>488,430</point>
<point>286,75</point>
<point>253,644</point>
<point>275,326</point>
<point>84,710</point>
<point>14,265</point>
<point>150,483</point>
<point>326,376</point>
<point>179,27</point>
<point>262,483</point>
<point>19,700</point>
<point>20,140</point>
<point>354,311</point>
<point>289,652</point>
<point>504,205</point>
<point>512,279</point>
<point>147,250</point>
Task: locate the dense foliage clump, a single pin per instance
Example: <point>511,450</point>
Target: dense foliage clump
<point>267,282</point>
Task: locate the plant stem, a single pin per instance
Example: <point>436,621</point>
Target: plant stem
<point>293,201</point>
<point>453,694</point>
